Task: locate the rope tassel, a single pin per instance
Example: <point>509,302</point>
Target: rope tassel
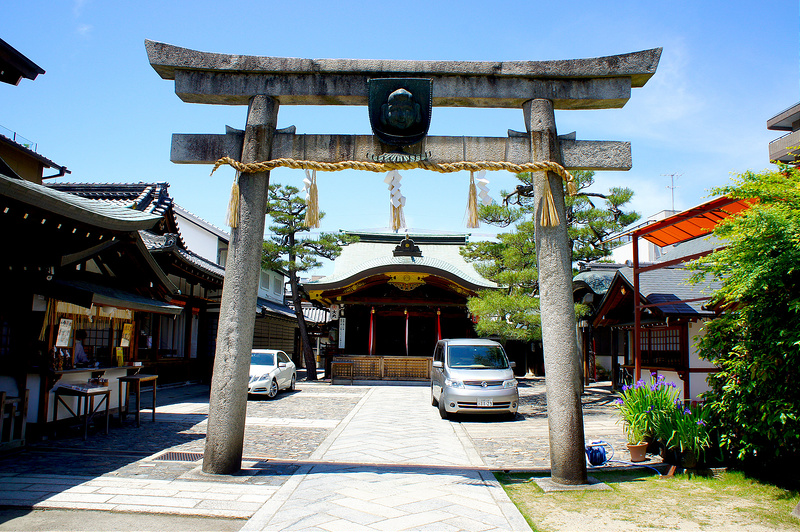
<point>473,221</point>
<point>477,181</point>
<point>312,200</point>
<point>549,215</point>
<point>232,219</point>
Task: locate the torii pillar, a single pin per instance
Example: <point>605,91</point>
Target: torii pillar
<point>538,87</point>
<point>227,408</point>
<point>559,343</point>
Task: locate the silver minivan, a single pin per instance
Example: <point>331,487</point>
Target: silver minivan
<point>473,376</point>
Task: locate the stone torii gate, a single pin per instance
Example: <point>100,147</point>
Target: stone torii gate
<point>265,83</point>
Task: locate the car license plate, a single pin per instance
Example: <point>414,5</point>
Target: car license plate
<point>485,402</point>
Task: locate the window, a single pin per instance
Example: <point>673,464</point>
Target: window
<point>171,337</point>
<point>437,354</point>
<point>264,280</point>
<point>661,347</point>
<point>277,284</point>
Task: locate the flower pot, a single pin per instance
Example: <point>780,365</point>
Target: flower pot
<point>653,445</point>
<point>638,451</point>
<point>670,456</point>
<point>689,460</point>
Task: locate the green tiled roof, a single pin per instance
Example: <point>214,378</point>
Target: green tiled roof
<point>375,254</point>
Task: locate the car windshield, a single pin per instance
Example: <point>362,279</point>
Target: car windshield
<point>476,357</point>
<point>262,359</point>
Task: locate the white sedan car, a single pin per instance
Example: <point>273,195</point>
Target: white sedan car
<point>271,371</point>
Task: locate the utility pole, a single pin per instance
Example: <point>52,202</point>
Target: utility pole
<point>672,186</point>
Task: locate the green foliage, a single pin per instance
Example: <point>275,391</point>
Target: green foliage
<point>641,406</point>
<point>285,249</point>
<point>592,217</point>
<point>685,429</point>
<point>755,342</point>
<point>513,312</point>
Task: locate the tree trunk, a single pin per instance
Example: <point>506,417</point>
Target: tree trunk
<point>308,352</point>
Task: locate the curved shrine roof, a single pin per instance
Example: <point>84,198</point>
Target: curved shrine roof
<point>374,255</point>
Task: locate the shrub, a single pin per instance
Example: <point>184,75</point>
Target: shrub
<point>755,341</point>
<point>685,429</point>
<point>641,405</point>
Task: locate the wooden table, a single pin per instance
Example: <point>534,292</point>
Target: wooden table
<point>135,381</point>
<point>86,395</point>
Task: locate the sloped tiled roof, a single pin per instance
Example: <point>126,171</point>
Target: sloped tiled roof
<point>598,281</point>
<point>271,307</point>
<point>14,65</point>
<point>168,243</point>
<point>151,198</point>
<point>672,284</point>
<point>145,197</point>
<point>44,161</point>
<point>439,252</point>
<point>105,215</point>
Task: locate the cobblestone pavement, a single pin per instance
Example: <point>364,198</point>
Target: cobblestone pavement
<point>156,468</point>
<point>524,442</point>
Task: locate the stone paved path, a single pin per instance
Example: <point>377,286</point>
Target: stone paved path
<point>352,490</point>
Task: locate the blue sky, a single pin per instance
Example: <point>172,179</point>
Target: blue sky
<point>104,113</point>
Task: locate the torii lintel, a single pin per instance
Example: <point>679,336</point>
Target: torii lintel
<point>595,83</point>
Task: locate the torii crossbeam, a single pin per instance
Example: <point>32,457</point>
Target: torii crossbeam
<point>265,83</point>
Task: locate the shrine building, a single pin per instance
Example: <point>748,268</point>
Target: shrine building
<point>394,296</point>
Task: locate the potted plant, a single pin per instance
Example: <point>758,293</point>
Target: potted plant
<point>640,407</point>
<point>684,433</point>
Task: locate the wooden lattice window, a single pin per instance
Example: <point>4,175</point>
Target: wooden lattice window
<point>661,347</point>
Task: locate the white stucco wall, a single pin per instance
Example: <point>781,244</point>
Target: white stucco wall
<point>271,286</point>
<point>198,239</point>
<point>698,383</point>
<point>603,362</point>
<point>697,331</point>
<point>697,380</point>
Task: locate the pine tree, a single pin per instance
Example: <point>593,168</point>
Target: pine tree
<point>512,313</point>
<point>288,251</point>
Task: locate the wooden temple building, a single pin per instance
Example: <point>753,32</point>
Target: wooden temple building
<point>392,297</point>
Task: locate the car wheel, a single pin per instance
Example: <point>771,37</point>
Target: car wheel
<point>434,402</point>
<point>293,385</point>
<point>273,389</point>
<point>442,409</point>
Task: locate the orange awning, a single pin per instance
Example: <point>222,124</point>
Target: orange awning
<point>691,223</point>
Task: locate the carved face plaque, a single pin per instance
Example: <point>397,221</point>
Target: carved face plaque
<point>400,109</point>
